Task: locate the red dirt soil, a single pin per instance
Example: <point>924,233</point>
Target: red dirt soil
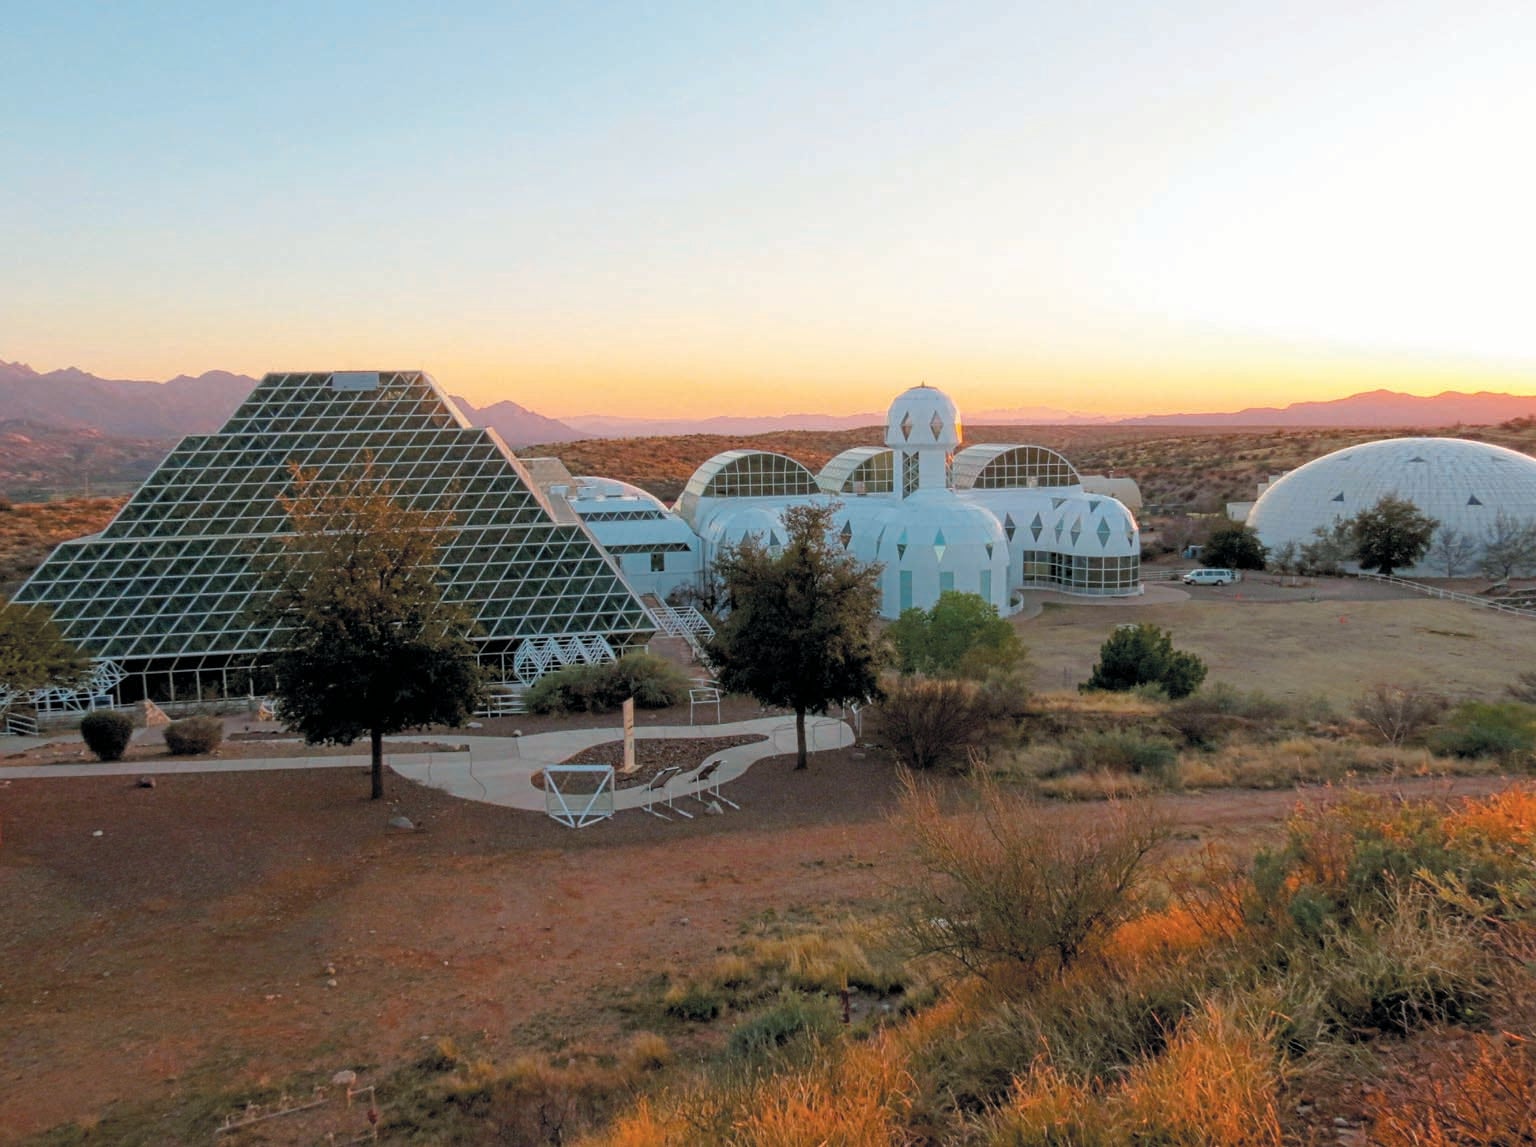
<point>189,943</point>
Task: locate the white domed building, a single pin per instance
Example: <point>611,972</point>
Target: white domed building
<point>989,520</point>
<point>1464,485</point>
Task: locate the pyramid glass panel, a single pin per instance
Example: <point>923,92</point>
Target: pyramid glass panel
<point>170,586</point>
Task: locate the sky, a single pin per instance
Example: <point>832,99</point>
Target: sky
<point>1109,208</point>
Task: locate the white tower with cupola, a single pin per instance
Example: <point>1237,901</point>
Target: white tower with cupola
<point>923,428</point>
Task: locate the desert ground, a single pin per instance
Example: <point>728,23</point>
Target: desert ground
<point>170,951</point>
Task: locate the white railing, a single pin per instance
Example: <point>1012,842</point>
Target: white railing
<point>503,704</point>
<point>1449,594</point>
<point>685,622</point>
<point>18,723</point>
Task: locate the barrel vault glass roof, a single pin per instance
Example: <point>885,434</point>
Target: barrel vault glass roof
<point>174,578</point>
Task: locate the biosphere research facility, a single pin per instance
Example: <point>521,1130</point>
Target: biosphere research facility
<point>556,568</point>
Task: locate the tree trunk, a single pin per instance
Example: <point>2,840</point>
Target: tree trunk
<point>800,761</point>
<point>377,736</point>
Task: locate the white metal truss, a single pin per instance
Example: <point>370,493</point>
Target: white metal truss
<point>20,707</point>
<point>540,655</point>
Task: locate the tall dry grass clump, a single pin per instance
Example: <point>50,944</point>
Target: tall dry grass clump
<point>1213,1085</point>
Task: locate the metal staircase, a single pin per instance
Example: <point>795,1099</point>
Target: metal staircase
<point>685,622</point>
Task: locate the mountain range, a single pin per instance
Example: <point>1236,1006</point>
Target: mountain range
<point>72,399</point>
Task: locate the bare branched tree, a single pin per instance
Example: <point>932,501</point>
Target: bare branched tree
<point>1452,550</point>
<point>1010,885</point>
<point>1398,713</point>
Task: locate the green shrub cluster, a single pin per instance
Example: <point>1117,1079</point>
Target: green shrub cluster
<point>107,734</point>
<point>1123,751</point>
<point>194,735</point>
<point>1144,654</point>
<point>1506,730</point>
<point>795,1016</point>
<point>652,681</point>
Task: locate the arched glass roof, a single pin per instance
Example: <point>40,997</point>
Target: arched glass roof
<point>746,474</point>
<point>861,470</point>
<point>1002,467</point>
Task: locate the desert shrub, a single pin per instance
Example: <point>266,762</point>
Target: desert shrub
<point>1505,730</point>
<point>1142,655</point>
<point>700,1002</point>
<point>107,734</point>
<point>794,1016</point>
<point>1478,1096</point>
<point>1122,750</point>
<point>1010,887</point>
<point>194,735</point>
<point>1399,713</point>
<point>1207,718</point>
<point>932,723</point>
<point>654,682</point>
<point>571,689</point>
<point>1413,964</point>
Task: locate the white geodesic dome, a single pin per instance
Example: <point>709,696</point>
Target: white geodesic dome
<point>1462,484</point>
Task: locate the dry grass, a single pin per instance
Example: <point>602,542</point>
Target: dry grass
<point>1214,1085</point>
<point>1482,1097</point>
<point>1301,649</point>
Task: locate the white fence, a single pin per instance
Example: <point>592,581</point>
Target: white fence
<point>1449,594</point>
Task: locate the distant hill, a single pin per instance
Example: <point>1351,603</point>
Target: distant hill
<point>75,400</point>
<point>613,426</point>
<point>72,399</point>
<point>1374,408</point>
<point>518,425</point>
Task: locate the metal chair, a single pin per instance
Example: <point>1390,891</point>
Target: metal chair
<point>708,782</point>
<point>657,786</point>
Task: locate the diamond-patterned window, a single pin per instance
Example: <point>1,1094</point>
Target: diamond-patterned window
<point>1103,531</point>
<point>1036,527</point>
<point>845,535</point>
<point>1077,528</point>
<point>906,426</point>
<point>1009,527</point>
<point>936,424</point>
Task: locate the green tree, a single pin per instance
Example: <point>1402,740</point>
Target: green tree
<point>33,653</point>
<point>1144,655</point>
<point>368,645</point>
<point>1234,547</point>
<point>801,625</point>
<point>1391,534</point>
<point>961,634</point>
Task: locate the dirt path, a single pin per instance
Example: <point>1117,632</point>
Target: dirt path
<point>193,941</point>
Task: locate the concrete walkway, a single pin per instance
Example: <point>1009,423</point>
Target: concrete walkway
<point>500,770</point>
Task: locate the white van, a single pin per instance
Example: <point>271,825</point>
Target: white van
<point>1210,576</point>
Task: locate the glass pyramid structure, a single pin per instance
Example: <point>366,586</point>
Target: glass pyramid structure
<point>167,590</point>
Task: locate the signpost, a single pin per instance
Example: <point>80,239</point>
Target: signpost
<point>629,737</point>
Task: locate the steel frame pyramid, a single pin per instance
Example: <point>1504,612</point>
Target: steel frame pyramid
<point>167,590</point>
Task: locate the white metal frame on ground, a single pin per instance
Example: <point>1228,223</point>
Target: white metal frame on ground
<point>589,807</point>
